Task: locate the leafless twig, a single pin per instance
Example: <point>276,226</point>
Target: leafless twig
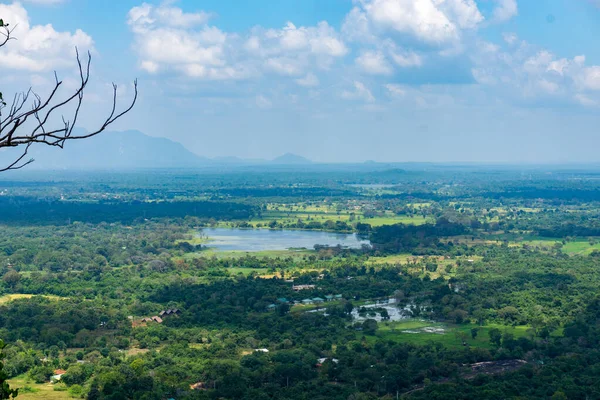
<point>29,106</point>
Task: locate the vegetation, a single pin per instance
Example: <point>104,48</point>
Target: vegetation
<point>476,285</point>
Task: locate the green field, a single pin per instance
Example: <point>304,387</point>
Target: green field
<point>580,247</point>
<point>452,336</point>
<point>294,254</point>
<point>10,297</point>
<point>30,390</point>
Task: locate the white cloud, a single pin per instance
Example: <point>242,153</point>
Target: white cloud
<point>510,37</point>
<point>505,10</point>
<point>189,46</point>
<point>356,27</point>
<point>591,78</point>
<point>359,92</point>
<point>585,100</point>
<point>284,66</point>
<point>529,72</point>
<point>395,90</point>
<point>310,80</point>
<point>374,63</point>
<point>39,47</point>
<point>430,21</point>
<point>406,59</point>
<point>167,39</point>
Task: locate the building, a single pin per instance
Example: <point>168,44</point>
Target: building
<point>320,361</point>
<point>298,288</point>
<point>307,301</point>
<point>262,350</point>
<point>318,300</point>
<point>157,319</point>
<point>57,375</point>
<point>174,311</point>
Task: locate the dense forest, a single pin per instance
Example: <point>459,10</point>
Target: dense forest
<point>476,284</point>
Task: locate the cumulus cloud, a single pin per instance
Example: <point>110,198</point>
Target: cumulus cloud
<point>396,34</point>
<point>395,90</point>
<point>187,44</point>
<point>374,63</point>
<point>434,22</point>
<point>168,39</point>
<point>505,10</point>
<point>359,92</point>
<point>39,47</point>
<point>534,73</point>
<point>591,78</point>
<point>310,80</point>
<point>406,58</point>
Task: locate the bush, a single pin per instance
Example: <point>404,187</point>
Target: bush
<point>76,390</point>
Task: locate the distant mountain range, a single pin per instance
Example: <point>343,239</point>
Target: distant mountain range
<point>132,150</point>
<point>291,159</point>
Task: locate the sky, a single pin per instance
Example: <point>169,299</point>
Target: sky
<point>514,81</point>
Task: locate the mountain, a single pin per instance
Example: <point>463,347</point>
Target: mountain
<point>131,150</point>
<point>291,159</point>
<point>117,150</point>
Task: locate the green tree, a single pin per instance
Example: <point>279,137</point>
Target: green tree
<point>495,336</point>
<point>5,391</point>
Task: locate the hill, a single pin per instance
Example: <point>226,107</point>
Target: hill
<point>117,150</point>
<point>289,159</point>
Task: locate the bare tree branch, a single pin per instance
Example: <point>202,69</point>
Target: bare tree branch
<point>42,113</point>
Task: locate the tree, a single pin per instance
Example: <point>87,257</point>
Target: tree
<point>5,391</point>
<point>495,336</point>
<point>12,278</point>
<point>31,119</point>
<point>369,326</point>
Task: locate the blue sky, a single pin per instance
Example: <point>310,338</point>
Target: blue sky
<point>333,80</point>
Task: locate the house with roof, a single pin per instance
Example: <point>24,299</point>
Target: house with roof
<point>298,288</point>
<point>307,301</point>
<point>173,311</point>
<point>58,373</point>
<point>321,361</point>
<point>318,300</point>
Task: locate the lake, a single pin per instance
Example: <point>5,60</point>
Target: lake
<point>230,239</point>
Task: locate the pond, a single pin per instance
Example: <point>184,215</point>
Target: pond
<point>395,313</point>
<point>230,239</point>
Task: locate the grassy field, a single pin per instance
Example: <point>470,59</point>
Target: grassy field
<point>30,390</point>
<point>10,297</point>
<point>289,214</point>
<point>395,219</point>
<point>415,332</point>
<point>393,259</point>
<point>580,247</point>
<point>295,254</point>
